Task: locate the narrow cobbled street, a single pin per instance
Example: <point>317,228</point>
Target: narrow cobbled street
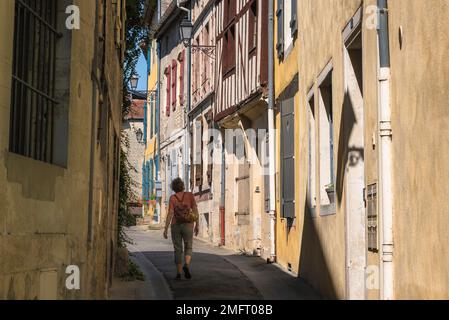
<point>217,273</point>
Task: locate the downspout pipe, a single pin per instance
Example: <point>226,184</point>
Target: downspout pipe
<point>158,119</point>
<point>93,134</point>
<point>271,133</point>
<point>385,163</point>
<point>188,107</point>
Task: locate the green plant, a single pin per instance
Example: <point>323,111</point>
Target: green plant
<point>136,32</point>
<point>125,218</point>
<point>133,273</point>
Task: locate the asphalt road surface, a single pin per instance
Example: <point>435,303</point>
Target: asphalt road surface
<point>218,274</point>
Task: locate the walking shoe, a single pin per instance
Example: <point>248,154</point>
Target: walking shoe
<point>187,272</point>
<point>178,277</point>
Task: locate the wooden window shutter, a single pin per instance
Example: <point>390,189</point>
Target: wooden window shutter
<point>192,167</point>
<point>174,80</point>
<point>294,19</point>
<point>202,152</point>
<point>197,65</point>
<point>232,9</point>
<point>204,66</point>
<point>181,78</point>
<point>152,118</point>
<point>168,89</point>
<point>225,12</point>
<point>198,154</point>
<point>145,122</point>
<point>210,165</point>
<point>280,26</point>
<point>232,47</point>
<point>225,51</point>
<point>251,25</point>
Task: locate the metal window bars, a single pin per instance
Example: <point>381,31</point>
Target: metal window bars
<point>372,218</point>
<point>33,81</point>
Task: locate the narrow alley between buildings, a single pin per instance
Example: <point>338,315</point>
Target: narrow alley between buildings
<point>218,274</point>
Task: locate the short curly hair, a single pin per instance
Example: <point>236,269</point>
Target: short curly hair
<point>177,185</point>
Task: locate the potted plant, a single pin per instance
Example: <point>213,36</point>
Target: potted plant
<point>330,190</point>
<point>152,201</point>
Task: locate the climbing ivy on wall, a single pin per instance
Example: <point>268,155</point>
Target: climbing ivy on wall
<point>136,33</point>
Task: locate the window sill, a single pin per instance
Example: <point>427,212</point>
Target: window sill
<point>328,210</point>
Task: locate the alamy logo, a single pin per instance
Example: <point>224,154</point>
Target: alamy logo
<point>372,17</point>
<point>73,280</point>
<point>73,20</point>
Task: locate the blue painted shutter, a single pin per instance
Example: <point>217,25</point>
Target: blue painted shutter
<point>145,121</point>
<point>294,19</point>
<point>288,157</point>
<point>143,181</point>
<point>151,177</point>
<point>153,120</point>
<point>280,26</point>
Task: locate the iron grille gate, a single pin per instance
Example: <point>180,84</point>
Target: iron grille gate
<point>33,79</point>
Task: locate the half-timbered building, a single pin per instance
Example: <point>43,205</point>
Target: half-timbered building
<point>205,173</point>
<point>241,111</point>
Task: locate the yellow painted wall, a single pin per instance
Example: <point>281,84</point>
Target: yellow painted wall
<point>152,86</point>
<point>43,207</point>
<point>151,150</point>
<point>419,101</point>
<point>323,237</point>
<point>287,243</point>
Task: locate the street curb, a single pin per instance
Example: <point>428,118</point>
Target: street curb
<point>159,286</point>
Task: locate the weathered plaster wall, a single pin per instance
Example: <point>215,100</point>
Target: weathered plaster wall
<point>44,208</point>
<point>322,243</point>
<point>287,241</point>
<point>136,153</point>
<point>419,101</point>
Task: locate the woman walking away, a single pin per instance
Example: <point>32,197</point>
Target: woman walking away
<point>183,218</point>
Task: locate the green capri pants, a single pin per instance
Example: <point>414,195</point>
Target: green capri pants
<point>180,233</point>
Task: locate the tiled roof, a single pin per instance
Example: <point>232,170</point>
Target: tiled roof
<point>136,111</point>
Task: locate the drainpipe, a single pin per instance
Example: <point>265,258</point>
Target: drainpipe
<point>188,107</point>
<point>223,194</point>
<point>95,83</point>
<point>271,133</point>
<point>158,119</point>
<point>385,132</point>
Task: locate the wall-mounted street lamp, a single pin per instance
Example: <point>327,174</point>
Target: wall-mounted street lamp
<point>186,31</point>
<point>134,81</point>
<point>139,135</point>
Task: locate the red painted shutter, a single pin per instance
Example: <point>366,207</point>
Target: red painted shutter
<point>174,80</point>
<point>232,47</point>
<point>202,152</point>
<point>168,91</point>
<point>226,12</point>
<point>192,157</point>
<point>210,166</point>
<point>181,78</point>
